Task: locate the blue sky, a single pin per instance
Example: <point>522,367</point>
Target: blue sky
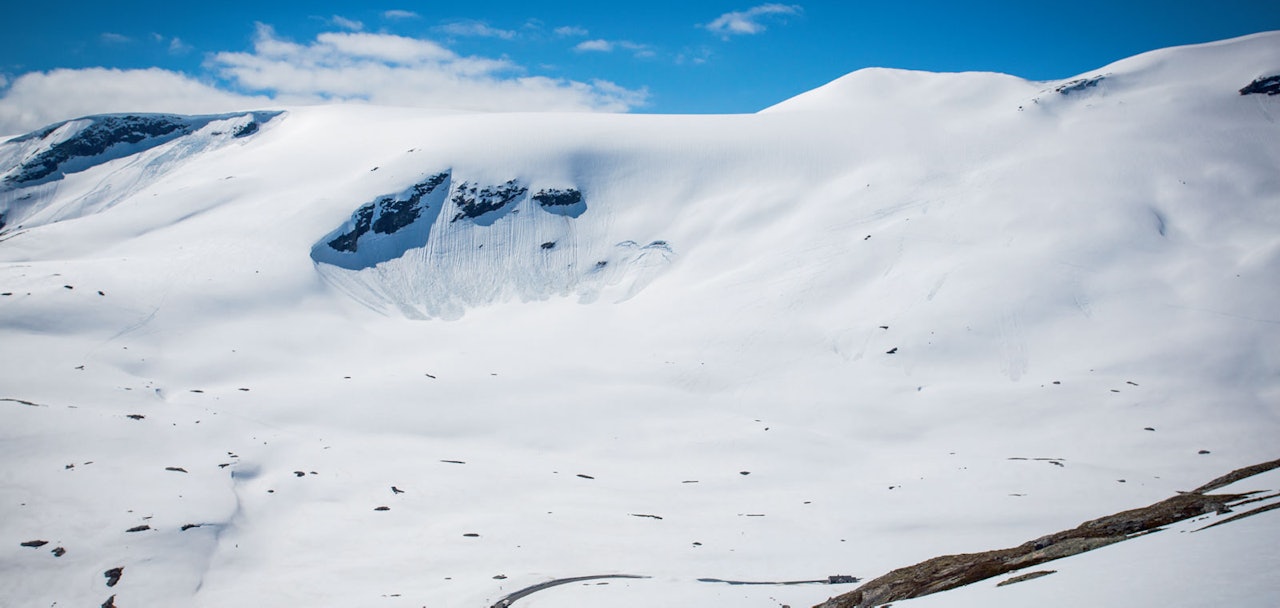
<point>656,56</point>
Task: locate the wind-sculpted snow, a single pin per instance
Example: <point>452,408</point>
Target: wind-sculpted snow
<point>499,243</point>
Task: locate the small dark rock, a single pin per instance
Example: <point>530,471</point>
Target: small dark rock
<point>58,552</point>
<point>499,577</point>
<point>383,508</point>
<point>395,490</point>
<point>135,416</point>
<point>1147,428</point>
<point>1267,85</point>
<point>1203,451</point>
<point>744,472</point>
<point>141,528</point>
<point>176,469</point>
<point>841,579</point>
<point>891,351</point>
<point>110,603</point>
<point>186,527</point>
<point>471,535</point>
<point>67,287</point>
<point>35,543</point>
<point>549,245</point>
<point>113,576</point>
<point>299,474</point>
<point>585,476</point>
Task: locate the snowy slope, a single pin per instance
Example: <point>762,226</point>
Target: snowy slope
<point>833,337</point>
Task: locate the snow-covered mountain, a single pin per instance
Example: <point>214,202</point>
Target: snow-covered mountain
<point>373,356</point>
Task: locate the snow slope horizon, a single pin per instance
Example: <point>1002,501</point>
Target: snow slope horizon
<point>876,295</point>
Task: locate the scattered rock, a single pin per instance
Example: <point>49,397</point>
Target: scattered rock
<point>585,476</point>
<point>141,528</point>
<point>382,508</point>
<point>744,472</point>
<point>186,527</point>
<point>499,577</point>
<point>549,245</point>
<point>644,515</point>
<point>58,552</point>
<point>113,575</point>
<point>1203,452</point>
<point>453,461</point>
<point>110,603</point>
<point>395,490</point>
<point>299,474</point>
<point>891,351</point>
<point>471,535</point>
<point>176,469</point>
<point>135,416</point>
<point>35,543</point>
<point>1147,428</point>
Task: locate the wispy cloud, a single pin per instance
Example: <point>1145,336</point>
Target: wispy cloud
<point>571,31</point>
<point>750,21</point>
<point>475,29</point>
<point>114,38</point>
<point>346,24</point>
<point>178,47</point>
<point>601,45</point>
<point>400,14</point>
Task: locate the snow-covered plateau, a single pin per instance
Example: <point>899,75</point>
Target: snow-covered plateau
<point>371,356</point>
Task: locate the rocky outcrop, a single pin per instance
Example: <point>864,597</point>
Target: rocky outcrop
<point>1267,85</point>
<point>951,571</point>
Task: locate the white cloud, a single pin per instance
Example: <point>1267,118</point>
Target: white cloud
<point>335,67</point>
<point>400,14</point>
<point>603,46</point>
<point>571,31</point>
<point>346,24</point>
<point>477,29</point>
<point>178,47</point>
<point>388,69</point>
<point>749,21</point>
<point>39,98</point>
<point>114,38</point>
<point>642,51</point>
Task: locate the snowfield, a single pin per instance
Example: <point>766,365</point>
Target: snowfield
<point>900,316</point>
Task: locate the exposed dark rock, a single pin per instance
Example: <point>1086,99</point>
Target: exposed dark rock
<point>645,515</point>
<point>383,508</point>
<point>395,490</point>
<point>474,202</point>
<point>35,543</point>
<point>135,416</point>
<point>186,527</point>
<point>1267,85</point>
<point>58,552</point>
<point>392,214</point>
<point>549,245</point>
<point>113,575</point>
<point>142,528</point>
<point>246,130</point>
<point>1079,84</point>
<point>176,469</point>
<point>363,221</point>
<point>585,476</point>
<point>110,603</point>
<point>558,198</point>
<point>396,214</point>
<point>299,474</point>
<point>471,535</point>
<point>95,139</point>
